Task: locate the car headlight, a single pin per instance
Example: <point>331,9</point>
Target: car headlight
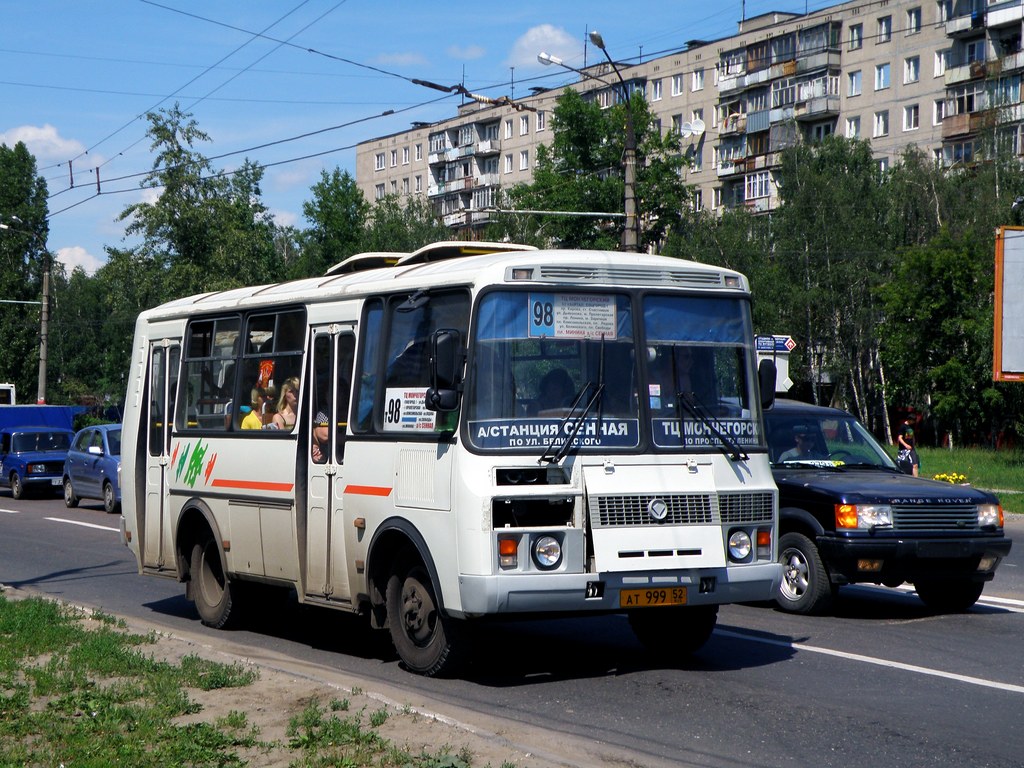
<point>36,469</point>
<point>990,515</point>
<point>863,516</point>
<point>739,545</point>
<point>547,552</point>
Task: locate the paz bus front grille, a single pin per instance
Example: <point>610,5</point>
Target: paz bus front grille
<point>629,510</point>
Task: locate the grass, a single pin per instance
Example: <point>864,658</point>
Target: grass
<point>81,690</point>
<point>1000,471</point>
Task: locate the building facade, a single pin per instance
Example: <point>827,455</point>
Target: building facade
<point>942,75</point>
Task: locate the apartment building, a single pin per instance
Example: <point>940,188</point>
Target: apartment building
<point>941,75</point>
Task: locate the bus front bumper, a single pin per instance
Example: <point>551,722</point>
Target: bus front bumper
<point>525,593</point>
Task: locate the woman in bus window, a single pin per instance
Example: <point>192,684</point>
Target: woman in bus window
<point>287,405</point>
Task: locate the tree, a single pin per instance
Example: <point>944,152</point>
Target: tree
<point>23,256</point>
<point>579,171</point>
<point>337,214</point>
<point>401,225</point>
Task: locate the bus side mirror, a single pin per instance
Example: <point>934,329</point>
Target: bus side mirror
<point>445,365</point>
<point>766,375</point>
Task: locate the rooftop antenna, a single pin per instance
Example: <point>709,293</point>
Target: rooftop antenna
<point>512,89</point>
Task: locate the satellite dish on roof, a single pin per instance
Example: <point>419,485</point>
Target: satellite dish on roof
<point>697,126</point>
<point>686,130</point>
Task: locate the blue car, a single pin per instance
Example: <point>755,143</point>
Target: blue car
<point>93,467</point>
<point>32,458</point>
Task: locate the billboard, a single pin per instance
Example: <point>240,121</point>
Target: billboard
<point>1008,342</point>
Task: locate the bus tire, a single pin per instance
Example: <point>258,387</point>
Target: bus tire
<point>211,588</point>
<point>427,641</point>
<point>673,632</point>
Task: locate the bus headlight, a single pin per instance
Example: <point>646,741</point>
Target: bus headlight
<point>739,546</point>
<point>547,552</point>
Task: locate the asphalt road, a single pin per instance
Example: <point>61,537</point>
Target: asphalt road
<point>881,682</point>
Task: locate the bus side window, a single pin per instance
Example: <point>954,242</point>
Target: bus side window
<point>369,363</point>
<point>346,360</point>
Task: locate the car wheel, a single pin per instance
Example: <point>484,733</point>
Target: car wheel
<point>70,500</point>
<point>428,642</point>
<point>673,633</point>
<point>109,499</point>
<point>949,596</point>
<point>17,486</point>
<point>805,584</point>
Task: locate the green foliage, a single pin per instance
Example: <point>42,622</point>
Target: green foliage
<point>337,214</point>
<point>402,225</point>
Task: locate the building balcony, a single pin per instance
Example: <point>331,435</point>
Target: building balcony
<point>960,74</point>
<point>1004,14</point>
<point>969,123</point>
<point>456,219</point>
<point>759,121</point>
<point>818,60</point>
<point>964,25</point>
<point>480,217</point>
<point>435,158</point>
<point>488,147</point>
<point>732,167</point>
<point>733,124</point>
<point>487,180</point>
<point>1013,61</point>
<point>817,107</point>
<point>730,83</point>
<point>758,205</point>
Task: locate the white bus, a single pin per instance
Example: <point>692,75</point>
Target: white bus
<point>481,432</point>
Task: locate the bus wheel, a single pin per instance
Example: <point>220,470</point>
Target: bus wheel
<point>674,632</point>
<point>211,589</point>
<point>426,640</point>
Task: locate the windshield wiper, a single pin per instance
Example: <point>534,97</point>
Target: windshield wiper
<point>577,422</point>
<point>688,401</point>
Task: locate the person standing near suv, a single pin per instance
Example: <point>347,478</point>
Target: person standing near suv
<point>907,458</point>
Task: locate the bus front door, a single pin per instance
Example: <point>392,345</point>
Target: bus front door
<point>326,567</point>
<point>164,356</point>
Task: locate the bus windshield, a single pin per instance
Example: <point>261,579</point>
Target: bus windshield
<point>687,385</point>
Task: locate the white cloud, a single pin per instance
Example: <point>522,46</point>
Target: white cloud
<point>48,146</point>
<point>285,218</point>
<point>76,256</point>
<point>408,59</point>
<point>466,52</point>
<point>547,38</point>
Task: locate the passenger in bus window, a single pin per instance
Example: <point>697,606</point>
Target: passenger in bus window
<point>287,404</point>
<point>252,418</point>
<point>321,435</point>
<point>555,390</point>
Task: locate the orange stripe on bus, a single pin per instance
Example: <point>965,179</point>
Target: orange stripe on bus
<point>367,490</point>
<point>253,485</point>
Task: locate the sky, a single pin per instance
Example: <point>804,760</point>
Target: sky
<point>292,85</point>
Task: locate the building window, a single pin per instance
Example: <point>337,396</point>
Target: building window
<point>975,50</point>
<point>419,184</point>
<point>756,185</point>
<point>852,127</point>
<point>524,160</point>
<point>394,187</point>
<point>698,200</point>
<point>853,82</point>
<point>677,124</point>
<point>378,192</point>
<point>716,197</point>
<point>697,114</point>
<point>695,157</point>
<point>656,90</point>
<point>405,155</point>
<point>911,117</point>
<point>677,85</point>
<point>378,161</point>
<point>394,157</point>
<point>913,20</point>
<point>542,120</point>
<point>508,163</point>
<point>405,186</point>
<point>881,124</point>
<point>943,10</point>
<point>883,164</point>
<point>941,62</point>
<point>960,152</point>
<point>884,33</point>
<point>856,36</point>
<point>419,151</point>
<point>508,129</point>
<point>881,76</point>
<point>911,69</point>
<point>698,80</point>
<point>524,125</point>
<point>938,111</point>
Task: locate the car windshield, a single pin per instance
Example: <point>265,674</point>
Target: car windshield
<point>823,440</point>
<point>24,442</point>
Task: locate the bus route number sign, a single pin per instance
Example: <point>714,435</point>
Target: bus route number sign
<point>572,316</point>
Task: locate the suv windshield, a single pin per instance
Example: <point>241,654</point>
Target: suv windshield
<point>686,385</point>
<point>820,440</point>
<point>25,442</point>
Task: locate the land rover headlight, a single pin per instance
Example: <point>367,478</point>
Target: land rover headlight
<point>863,516</point>
<point>990,515</point>
<point>547,552</point>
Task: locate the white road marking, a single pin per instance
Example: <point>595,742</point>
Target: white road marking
<point>878,662</point>
<point>11,511</point>
<point>83,524</point>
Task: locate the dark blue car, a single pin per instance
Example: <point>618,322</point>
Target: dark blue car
<point>32,458</point>
<point>93,467</point>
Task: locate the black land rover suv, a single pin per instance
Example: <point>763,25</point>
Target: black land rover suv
<point>847,515</point>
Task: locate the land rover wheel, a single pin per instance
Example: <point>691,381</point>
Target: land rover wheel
<point>805,584</point>
<point>428,642</point>
<point>949,596</point>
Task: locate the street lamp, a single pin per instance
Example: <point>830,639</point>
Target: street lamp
<point>45,310</point>
<point>631,230</point>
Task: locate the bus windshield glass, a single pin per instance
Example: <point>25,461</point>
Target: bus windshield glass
<point>699,379</point>
<point>539,358</point>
